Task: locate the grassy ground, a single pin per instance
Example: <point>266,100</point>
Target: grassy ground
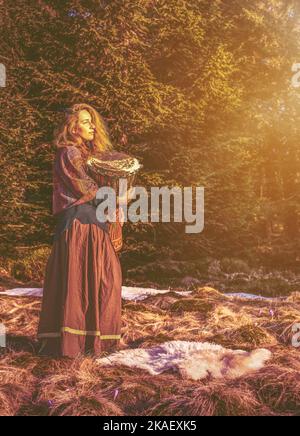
<point>31,385</point>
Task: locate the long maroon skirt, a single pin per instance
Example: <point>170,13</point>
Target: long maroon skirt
<point>81,306</point>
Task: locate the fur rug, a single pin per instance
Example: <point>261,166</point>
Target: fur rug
<point>193,360</point>
<point>128,292</point>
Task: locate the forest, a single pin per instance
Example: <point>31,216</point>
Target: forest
<point>202,92</point>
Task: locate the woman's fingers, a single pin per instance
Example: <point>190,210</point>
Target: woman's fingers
<point>125,197</point>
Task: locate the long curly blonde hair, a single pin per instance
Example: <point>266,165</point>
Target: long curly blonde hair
<point>63,133</point>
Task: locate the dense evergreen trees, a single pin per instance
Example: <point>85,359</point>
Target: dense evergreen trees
<point>199,90</point>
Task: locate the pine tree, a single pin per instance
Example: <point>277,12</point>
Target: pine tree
<point>187,86</point>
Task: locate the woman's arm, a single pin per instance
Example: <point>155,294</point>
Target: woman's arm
<point>73,172</point>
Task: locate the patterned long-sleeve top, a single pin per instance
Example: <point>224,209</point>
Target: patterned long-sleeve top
<point>71,184</point>
<point>74,194</point>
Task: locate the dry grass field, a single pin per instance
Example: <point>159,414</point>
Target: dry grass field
<point>34,385</point>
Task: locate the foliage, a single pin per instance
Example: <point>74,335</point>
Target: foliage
<point>199,91</point>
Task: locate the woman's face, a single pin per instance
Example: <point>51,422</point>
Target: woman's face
<point>85,127</point>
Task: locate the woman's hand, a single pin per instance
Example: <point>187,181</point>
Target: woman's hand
<point>124,199</point>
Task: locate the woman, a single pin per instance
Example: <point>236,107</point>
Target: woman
<point>81,306</point>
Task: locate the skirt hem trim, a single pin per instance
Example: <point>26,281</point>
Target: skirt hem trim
<point>77,332</point>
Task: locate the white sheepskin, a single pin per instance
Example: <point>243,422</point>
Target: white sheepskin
<point>193,360</point>
<point>128,292</point>
<point>23,292</point>
<point>134,293</point>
